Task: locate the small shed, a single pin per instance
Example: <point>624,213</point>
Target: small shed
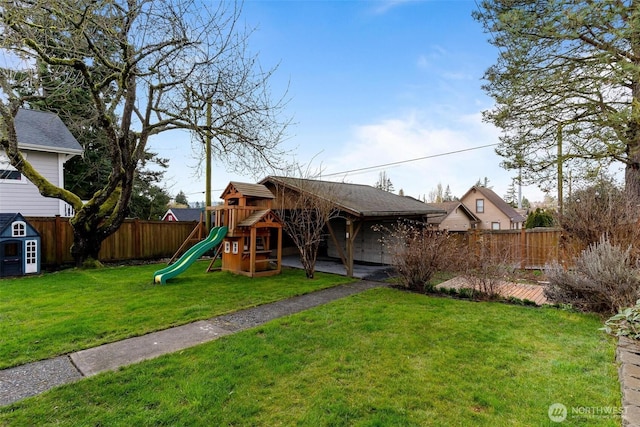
<point>19,246</point>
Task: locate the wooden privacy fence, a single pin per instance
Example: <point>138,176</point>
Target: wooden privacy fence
<point>532,248</point>
<point>152,240</point>
<point>134,240</point>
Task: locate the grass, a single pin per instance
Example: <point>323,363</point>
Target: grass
<point>53,314</point>
<point>379,358</point>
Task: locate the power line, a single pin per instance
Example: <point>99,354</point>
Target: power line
<point>400,162</point>
<point>369,168</point>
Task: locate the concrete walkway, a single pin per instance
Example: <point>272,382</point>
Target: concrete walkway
<point>34,378</point>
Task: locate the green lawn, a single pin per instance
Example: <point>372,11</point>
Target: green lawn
<point>380,358</point>
<point>41,317</point>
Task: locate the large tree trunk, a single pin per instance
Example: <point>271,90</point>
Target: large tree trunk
<point>86,246</point>
<point>632,175</point>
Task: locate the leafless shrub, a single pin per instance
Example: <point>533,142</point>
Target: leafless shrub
<point>601,210</point>
<point>305,207</point>
<point>419,252</point>
<point>605,279</point>
<point>485,269</point>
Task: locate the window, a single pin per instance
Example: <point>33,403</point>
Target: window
<point>235,247</point>
<point>479,205</point>
<point>227,247</point>
<point>8,172</point>
<point>495,226</point>
<point>18,229</point>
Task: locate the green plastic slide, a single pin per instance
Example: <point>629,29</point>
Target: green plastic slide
<point>193,254</point>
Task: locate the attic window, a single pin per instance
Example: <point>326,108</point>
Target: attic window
<point>479,205</point>
<point>7,171</point>
<point>18,229</point>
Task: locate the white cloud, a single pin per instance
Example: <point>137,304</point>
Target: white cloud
<point>383,7</point>
<point>418,136</point>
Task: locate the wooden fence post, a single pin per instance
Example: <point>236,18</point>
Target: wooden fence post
<point>57,235</point>
<point>523,248</point>
<point>137,237</point>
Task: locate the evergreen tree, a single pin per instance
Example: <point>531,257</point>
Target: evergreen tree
<point>447,197</point>
<point>567,79</point>
<point>384,182</point>
<point>181,198</point>
<point>539,218</point>
<point>512,195</point>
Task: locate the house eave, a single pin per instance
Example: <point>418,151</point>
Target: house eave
<point>48,149</point>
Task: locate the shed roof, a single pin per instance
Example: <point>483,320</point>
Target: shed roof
<point>358,199</point>
<point>44,131</point>
<point>249,190</point>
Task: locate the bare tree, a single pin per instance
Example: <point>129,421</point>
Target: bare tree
<point>149,67</point>
<point>419,252</point>
<point>305,206</point>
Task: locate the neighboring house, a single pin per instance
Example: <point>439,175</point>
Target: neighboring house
<point>493,212</point>
<point>458,217</point>
<point>19,246</point>
<point>47,144</point>
<point>352,234</point>
<point>183,214</point>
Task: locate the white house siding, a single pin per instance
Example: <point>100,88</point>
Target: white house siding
<point>367,246</point>
<point>23,197</point>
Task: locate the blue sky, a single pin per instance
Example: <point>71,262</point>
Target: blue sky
<point>371,83</point>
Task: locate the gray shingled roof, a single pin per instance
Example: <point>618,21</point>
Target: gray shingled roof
<point>250,190</point>
<point>358,199</point>
<point>498,202</point>
<point>186,214</point>
<point>44,131</point>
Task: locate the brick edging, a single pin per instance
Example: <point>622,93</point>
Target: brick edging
<point>628,356</point>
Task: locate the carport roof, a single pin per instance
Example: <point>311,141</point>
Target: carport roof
<point>358,199</point>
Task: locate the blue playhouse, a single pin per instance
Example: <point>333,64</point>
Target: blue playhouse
<point>19,246</point>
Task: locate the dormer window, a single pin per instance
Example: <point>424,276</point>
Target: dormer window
<point>18,229</point>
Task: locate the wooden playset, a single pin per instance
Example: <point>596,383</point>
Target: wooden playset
<point>253,243</point>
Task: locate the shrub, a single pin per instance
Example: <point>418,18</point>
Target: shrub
<point>419,252</point>
<point>485,270</point>
<point>605,279</point>
<point>625,324</point>
<point>601,210</point>
<point>539,218</point>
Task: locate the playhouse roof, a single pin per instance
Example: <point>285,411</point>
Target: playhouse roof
<point>6,219</point>
<point>44,131</point>
<point>248,190</point>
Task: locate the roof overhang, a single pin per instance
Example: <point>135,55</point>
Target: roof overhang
<point>48,149</point>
